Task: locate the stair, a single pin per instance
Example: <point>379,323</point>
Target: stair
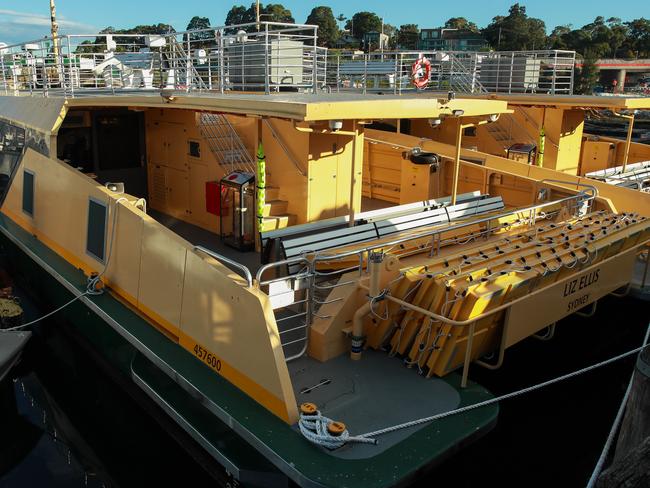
<point>275,207</point>
<point>272,193</point>
<point>225,143</point>
<point>275,222</point>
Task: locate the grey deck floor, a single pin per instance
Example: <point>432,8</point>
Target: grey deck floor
<point>201,237</point>
<point>375,392</point>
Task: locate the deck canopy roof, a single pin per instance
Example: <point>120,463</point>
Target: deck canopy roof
<point>569,101</point>
<point>304,107</point>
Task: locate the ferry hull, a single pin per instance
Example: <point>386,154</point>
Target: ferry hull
<point>185,389</point>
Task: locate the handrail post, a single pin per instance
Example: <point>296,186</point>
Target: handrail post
<point>4,78</point>
<point>222,57</point>
<point>267,81</point>
<point>315,68</point>
<point>468,354</point>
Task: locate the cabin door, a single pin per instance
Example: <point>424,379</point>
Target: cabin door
<point>329,176</point>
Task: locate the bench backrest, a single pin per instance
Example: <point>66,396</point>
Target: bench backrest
<point>293,245</point>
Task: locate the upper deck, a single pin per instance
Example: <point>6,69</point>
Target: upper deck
<point>267,57</point>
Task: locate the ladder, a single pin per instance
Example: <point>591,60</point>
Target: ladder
<point>225,144</point>
<point>181,68</point>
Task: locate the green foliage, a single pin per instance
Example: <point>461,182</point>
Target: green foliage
<point>605,38</point>
<point>516,31</point>
<point>328,29</point>
<point>461,23</point>
<point>362,23</point>
<point>271,12</point>
<point>587,76</point>
<point>199,39</point>
<point>407,36</point>
<point>638,39</point>
<point>123,43</point>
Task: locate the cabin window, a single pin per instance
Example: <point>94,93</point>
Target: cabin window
<point>96,238</point>
<point>194,149</point>
<point>12,145</point>
<point>469,132</point>
<point>28,193</point>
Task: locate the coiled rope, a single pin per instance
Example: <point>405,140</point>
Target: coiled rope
<point>317,429</point>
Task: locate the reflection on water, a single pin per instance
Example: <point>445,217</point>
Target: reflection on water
<point>66,421</point>
<point>41,452</point>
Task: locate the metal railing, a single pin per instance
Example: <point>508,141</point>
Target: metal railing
<point>321,272</point>
<point>391,72</point>
<point>295,317</point>
<point>270,57</point>
<point>240,268</point>
<point>548,72</point>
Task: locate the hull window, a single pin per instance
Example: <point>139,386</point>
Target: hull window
<point>28,193</point>
<point>96,237</point>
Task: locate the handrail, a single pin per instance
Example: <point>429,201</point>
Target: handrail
<point>275,264</point>
<point>240,267</point>
<point>277,137</point>
<point>572,183</point>
<point>579,196</point>
<point>503,306</point>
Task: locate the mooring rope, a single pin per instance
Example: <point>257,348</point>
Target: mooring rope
<point>614,429</point>
<point>93,285</point>
<point>513,394</point>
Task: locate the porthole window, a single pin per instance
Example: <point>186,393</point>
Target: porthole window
<point>96,237</point>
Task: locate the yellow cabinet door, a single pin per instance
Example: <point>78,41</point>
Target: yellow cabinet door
<point>198,176</point>
<point>175,140</point>
<point>322,185</point>
<point>178,199</point>
<point>156,146</point>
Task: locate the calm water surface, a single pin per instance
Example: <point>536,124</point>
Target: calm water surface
<point>67,423</point>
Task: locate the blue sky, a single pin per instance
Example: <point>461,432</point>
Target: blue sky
<point>22,20</point>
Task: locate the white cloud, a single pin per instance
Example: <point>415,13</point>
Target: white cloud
<point>18,27</point>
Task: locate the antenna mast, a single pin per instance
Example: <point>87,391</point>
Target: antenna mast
<point>55,30</point>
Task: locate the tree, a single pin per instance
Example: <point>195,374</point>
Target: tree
<point>638,39</point>
<point>461,23</point>
<point>408,36</point>
<point>601,38</point>
<point>328,30</point>
<point>557,39</point>
<point>271,12</point>
<point>124,43</point>
<point>199,38</point>
<point>276,12</point>
<point>363,23</point>
<point>238,14</point>
<point>516,31</point>
<point>587,75</point>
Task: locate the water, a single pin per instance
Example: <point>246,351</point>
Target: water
<point>67,423</point>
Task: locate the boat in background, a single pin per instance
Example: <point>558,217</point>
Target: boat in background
<point>271,265</point>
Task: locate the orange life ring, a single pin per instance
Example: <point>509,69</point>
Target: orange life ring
<point>421,72</point>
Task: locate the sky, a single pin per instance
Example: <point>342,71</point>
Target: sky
<point>23,20</point>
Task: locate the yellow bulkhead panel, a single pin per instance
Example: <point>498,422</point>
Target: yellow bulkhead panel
<point>157,272</point>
